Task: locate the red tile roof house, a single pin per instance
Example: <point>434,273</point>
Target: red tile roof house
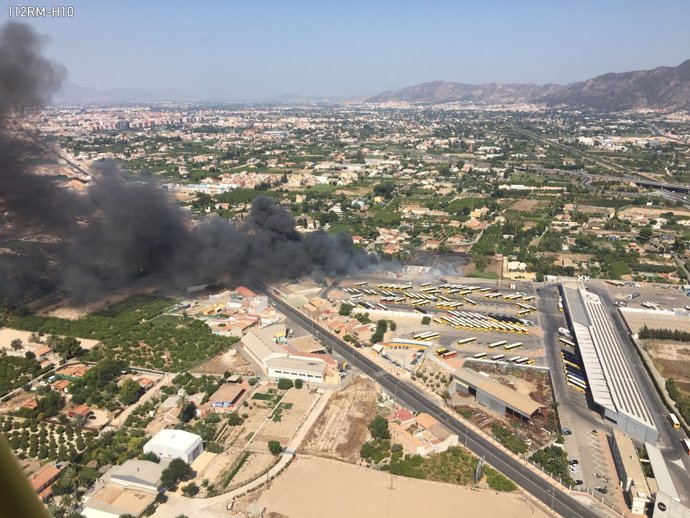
<point>80,411</point>
<point>43,479</point>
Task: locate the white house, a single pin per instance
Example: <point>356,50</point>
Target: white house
<point>171,444</point>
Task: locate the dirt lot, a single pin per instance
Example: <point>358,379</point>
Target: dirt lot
<point>287,418</point>
<point>226,361</point>
<point>341,429</point>
<point>313,488</point>
<point>636,320</point>
<point>672,360</point>
<point>526,205</point>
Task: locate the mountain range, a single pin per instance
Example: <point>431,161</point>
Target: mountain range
<point>663,88</point>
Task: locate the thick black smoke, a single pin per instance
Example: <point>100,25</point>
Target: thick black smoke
<point>119,231</point>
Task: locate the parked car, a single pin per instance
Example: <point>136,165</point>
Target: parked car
<point>573,462</point>
<point>579,482</point>
<point>566,431</point>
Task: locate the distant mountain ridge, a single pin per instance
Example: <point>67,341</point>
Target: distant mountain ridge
<point>665,88</point>
<point>443,92</point>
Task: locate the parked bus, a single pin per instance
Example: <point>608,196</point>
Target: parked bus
<point>356,297</point>
<point>575,381</point>
<point>498,344</point>
<point>479,355</point>
<point>441,351</point>
<point>674,421</point>
<point>497,357</point>
<point>686,445</point>
<point>425,284</point>
<point>421,310</point>
<point>565,341</point>
<point>381,306</point>
<point>467,340</point>
<point>449,354</point>
<point>512,346</point>
<point>522,360</point>
<point>426,335</point>
<point>469,301</point>
<point>524,312</point>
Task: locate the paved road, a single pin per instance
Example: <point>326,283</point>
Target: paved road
<point>573,410</point>
<point>669,439</point>
<point>552,495</point>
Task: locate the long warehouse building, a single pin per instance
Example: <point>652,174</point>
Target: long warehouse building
<point>612,384</point>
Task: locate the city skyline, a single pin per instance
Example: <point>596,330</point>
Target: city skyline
<point>240,51</point>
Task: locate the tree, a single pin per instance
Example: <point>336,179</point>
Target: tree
<point>51,404</point>
<point>16,344</point>
<point>234,419</point>
<point>68,347</point>
<point>378,428</point>
<point>345,310</point>
<point>298,383</point>
<point>274,447</point>
<point>285,384</point>
<point>29,355</point>
<point>188,412</point>
<point>150,456</point>
<point>130,391</point>
<point>426,321</point>
<point>645,234</point>
<point>177,470</point>
<point>34,338</point>
<point>190,489</point>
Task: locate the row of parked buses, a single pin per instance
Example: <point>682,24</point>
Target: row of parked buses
<point>572,367</point>
<point>472,321</point>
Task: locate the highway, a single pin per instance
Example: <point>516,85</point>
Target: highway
<point>551,494</point>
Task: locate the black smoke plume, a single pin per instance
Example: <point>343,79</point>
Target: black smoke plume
<point>119,231</point>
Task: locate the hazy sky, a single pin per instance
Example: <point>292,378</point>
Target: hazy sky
<point>257,49</point>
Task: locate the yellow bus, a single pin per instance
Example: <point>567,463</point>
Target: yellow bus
<point>674,421</point>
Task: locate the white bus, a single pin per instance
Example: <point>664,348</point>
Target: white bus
<point>497,357</point>
<point>522,360</point>
<point>479,355</point>
<point>469,301</point>
<point>512,346</point>
<point>498,344</point>
<point>674,421</point>
<point>565,341</point>
<point>467,340</point>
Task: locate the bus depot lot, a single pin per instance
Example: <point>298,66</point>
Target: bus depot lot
<point>667,296</point>
<point>448,337</point>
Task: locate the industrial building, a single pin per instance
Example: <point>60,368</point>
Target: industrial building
<point>637,492</point>
<point>171,444</point>
<point>269,349</point>
<point>128,489</point>
<point>495,396</point>
<point>613,387</point>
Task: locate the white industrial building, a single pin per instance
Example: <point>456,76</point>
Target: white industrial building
<point>172,444</point>
<point>609,377</point>
<point>128,489</point>
<point>264,347</point>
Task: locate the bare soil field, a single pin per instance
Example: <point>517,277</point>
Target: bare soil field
<point>230,360</point>
<point>341,429</point>
<point>288,416</point>
<point>672,360</point>
<point>526,205</point>
<point>315,488</point>
<point>636,320</point>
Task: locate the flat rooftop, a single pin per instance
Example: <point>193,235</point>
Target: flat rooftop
<point>609,377</point>
<point>511,398</point>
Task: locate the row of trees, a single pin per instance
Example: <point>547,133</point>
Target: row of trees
<point>664,334</point>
